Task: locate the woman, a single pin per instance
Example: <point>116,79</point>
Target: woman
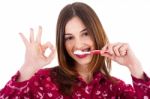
<point>77,76</point>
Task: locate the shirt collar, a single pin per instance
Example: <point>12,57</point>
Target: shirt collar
<point>97,76</point>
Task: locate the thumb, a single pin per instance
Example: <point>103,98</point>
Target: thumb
<point>106,54</point>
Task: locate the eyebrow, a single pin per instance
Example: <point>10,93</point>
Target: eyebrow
<point>83,30</point>
<point>80,31</point>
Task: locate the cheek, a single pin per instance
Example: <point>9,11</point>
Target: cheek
<point>90,42</point>
<point>68,47</point>
<point>93,44</point>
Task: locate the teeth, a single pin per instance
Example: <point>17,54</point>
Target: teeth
<point>79,52</point>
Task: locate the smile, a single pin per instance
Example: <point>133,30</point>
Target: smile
<point>81,56</point>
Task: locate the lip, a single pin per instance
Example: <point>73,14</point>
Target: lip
<point>81,56</point>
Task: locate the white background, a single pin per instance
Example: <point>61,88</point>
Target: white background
<point>124,21</point>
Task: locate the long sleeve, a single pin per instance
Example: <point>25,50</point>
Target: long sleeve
<point>39,86</point>
<point>14,89</point>
<point>140,89</point>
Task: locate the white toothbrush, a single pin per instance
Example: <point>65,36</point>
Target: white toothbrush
<point>79,52</point>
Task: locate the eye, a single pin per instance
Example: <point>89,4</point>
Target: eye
<point>68,38</point>
<point>85,33</point>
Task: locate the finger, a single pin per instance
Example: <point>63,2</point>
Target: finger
<point>52,54</point>
<point>116,49</point>
<point>108,55</point>
<point>31,35</point>
<point>24,39</point>
<point>38,37</point>
<point>110,49</point>
<point>123,49</point>
<point>105,47</point>
<point>104,51</point>
<point>123,53</point>
<point>47,45</point>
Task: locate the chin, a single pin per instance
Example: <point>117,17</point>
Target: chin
<point>85,62</point>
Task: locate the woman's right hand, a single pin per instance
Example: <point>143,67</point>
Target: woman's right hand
<point>35,57</point>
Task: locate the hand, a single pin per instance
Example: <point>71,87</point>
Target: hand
<point>122,54</point>
<point>34,56</point>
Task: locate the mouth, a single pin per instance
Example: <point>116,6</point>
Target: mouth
<point>79,53</point>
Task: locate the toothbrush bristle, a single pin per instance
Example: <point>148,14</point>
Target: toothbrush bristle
<point>79,52</point>
<point>93,52</point>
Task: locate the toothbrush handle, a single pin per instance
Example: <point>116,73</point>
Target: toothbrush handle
<point>97,52</point>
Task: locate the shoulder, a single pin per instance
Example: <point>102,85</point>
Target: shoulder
<point>45,73</point>
<point>117,80</point>
<point>119,84</point>
<point>42,81</point>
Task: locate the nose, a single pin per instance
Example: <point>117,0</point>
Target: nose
<point>79,44</point>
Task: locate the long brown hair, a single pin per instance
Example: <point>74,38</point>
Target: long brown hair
<point>94,27</point>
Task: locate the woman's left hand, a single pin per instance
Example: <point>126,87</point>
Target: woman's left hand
<point>122,54</point>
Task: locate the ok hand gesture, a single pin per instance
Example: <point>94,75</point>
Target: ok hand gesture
<point>35,52</point>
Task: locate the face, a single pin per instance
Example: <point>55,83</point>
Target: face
<point>78,38</point>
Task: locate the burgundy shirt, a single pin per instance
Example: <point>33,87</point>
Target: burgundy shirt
<point>40,86</point>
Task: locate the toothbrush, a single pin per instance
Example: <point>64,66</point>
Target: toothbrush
<point>79,52</point>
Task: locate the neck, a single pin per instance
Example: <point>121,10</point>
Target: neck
<point>84,73</point>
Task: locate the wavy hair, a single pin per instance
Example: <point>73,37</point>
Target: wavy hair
<point>96,31</point>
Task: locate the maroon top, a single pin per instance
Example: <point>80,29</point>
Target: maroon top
<point>40,86</point>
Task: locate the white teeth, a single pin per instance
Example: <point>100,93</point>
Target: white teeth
<point>79,52</point>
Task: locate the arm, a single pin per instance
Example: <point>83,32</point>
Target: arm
<point>122,54</point>
<point>39,86</point>
<point>140,89</point>
<point>34,60</point>
<point>141,86</point>
<point>34,56</point>
<point>14,89</point>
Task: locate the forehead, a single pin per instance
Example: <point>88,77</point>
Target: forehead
<point>74,25</point>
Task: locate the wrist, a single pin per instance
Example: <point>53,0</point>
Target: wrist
<point>26,72</point>
<point>136,71</point>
